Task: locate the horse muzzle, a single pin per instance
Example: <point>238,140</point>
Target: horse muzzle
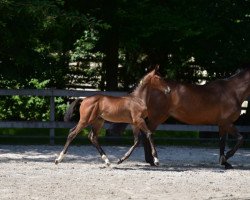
<point>167,90</point>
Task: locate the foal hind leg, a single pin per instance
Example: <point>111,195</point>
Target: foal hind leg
<point>136,142</point>
<point>72,134</point>
<point>93,137</point>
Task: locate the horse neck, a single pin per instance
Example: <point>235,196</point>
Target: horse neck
<point>241,83</point>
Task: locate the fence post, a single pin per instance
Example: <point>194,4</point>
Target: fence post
<point>52,117</point>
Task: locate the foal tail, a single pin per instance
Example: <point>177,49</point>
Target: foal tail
<point>72,113</point>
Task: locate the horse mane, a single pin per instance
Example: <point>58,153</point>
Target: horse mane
<point>239,72</point>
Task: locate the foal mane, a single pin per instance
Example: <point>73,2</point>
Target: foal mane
<point>144,80</point>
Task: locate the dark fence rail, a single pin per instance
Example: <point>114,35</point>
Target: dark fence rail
<point>52,124</point>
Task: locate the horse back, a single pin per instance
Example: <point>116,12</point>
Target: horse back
<point>203,104</point>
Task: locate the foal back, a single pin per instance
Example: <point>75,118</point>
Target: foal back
<point>110,108</point>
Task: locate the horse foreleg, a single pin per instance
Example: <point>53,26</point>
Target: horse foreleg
<point>141,123</point>
<point>239,142</point>
<point>222,144</point>
<point>93,137</point>
<point>154,152</point>
<point>130,151</point>
<point>72,134</point>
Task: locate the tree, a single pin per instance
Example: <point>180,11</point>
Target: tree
<point>36,38</point>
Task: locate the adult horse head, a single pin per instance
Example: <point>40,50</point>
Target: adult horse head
<point>217,103</point>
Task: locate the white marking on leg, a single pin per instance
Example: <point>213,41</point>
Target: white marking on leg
<point>60,157</point>
<point>156,161</point>
<point>105,158</point>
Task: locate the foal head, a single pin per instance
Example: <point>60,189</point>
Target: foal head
<point>154,80</point>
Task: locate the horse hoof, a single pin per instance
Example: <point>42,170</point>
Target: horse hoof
<point>222,160</point>
<point>156,163</point>
<point>228,166</point>
<point>56,162</point>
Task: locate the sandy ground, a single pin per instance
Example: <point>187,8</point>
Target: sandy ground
<point>29,172</point>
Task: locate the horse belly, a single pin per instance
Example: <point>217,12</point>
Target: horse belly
<point>201,117</point>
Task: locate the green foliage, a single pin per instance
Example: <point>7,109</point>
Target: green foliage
<point>30,108</point>
<point>84,47</point>
<point>40,38</point>
<point>84,52</point>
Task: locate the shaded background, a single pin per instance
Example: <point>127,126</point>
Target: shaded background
<point>109,45</point>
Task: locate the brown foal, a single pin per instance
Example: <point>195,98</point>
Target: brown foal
<point>96,109</point>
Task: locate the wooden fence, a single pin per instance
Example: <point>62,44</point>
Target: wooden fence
<point>52,124</point>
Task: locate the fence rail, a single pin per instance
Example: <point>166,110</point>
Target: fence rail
<point>52,124</point>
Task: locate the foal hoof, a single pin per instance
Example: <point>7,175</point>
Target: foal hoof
<point>228,166</point>
<point>152,163</point>
<point>56,162</point>
<point>119,161</point>
<point>156,162</point>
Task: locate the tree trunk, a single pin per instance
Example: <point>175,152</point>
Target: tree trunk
<point>110,62</point>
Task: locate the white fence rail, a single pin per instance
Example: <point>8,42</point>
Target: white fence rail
<point>52,124</point>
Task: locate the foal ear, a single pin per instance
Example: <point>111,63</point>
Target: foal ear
<point>157,67</point>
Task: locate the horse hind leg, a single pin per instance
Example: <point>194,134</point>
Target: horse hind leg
<point>234,132</point>
<point>93,137</point>
<point>136,142</point>
<point>223,158</point>
<point>72,134</point>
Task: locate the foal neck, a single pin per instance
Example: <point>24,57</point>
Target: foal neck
<point>140,92</point>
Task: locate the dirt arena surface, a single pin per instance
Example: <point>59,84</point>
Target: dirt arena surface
<point>29,172</point>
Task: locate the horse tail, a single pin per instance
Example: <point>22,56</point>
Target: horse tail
<point>72,113</point>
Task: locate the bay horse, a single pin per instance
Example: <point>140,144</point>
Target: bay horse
<point>94,110</point>
<point>216,103</point>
